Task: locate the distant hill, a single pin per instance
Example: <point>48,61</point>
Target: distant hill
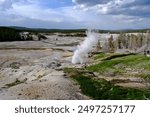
<point>74,30</point>
<point>12,33</point>
<point>43,30</point>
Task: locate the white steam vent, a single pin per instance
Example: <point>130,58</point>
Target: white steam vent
<point>81,53</point>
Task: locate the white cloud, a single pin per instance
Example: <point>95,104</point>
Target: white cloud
<point>21,12</point>
<point>36,12</point>
<point>104,14</point>
<point>5,4</point>
<point>31,10</point>
<point>116,7</point>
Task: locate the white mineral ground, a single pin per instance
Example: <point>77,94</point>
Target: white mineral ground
<point>39,65</point>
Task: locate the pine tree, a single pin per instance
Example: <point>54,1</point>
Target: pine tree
<point>98,47</point>
<point>111,43</point>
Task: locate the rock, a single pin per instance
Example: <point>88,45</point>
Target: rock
<point>53,65</point>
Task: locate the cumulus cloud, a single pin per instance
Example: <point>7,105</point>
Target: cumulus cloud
<point>116,7</point>
<point>30,12</point>
<point>29,9</point>
<point>5,4</point>
<point>104,14</point>
<point>90,2</point>
<point>8,4</point>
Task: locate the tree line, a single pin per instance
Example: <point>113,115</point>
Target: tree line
<point>127,41</point>
<point>8,34</point>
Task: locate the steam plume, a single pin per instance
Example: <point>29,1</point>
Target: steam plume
<point>81,53</point>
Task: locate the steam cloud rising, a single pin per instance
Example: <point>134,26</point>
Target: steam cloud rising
<point>81,53</point>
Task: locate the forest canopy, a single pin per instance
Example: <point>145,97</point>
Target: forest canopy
<point>8,34</point>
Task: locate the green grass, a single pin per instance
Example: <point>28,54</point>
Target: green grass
<point>100,56</point>
<point>16,82</point>
<point>118,64</point>
<point>145,76</point>
<point>113,56</point>
<point>98,88</point>
<point>105,90</point>
<point>15,65</point>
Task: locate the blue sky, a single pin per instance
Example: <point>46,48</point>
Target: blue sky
<point>75,14</point>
